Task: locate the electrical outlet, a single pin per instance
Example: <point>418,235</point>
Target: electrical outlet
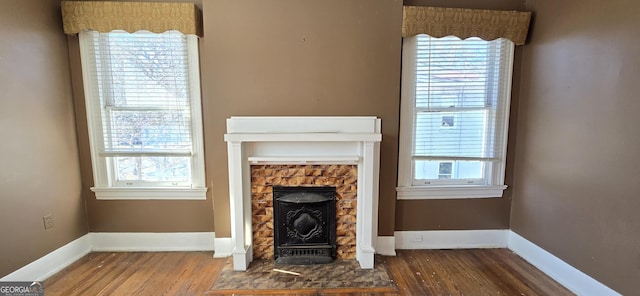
<point>48,221</point>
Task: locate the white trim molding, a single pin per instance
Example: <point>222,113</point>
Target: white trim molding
<point>116,193</point>
<point>223,247</point>
<point>64,256</point>
<point>491,184</point>
<point>307,139</point>
<point>107,187</point>
<point>53,262</point>
<point>151,242</point>
<point>565,274</point>
<point>386,245</point>
<point>451,239</point>
<point>450,192</point>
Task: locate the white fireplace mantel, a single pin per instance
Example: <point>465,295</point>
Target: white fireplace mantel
<point>303,140</point>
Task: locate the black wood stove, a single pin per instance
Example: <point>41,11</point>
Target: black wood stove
<point>304,224</point>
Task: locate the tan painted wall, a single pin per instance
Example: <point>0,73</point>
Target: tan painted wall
<point>293,57</point>
<point>272,58</point>
<point>39,171</point>
<point>574,191</point>
<point>577,162</point>
<point>471,4</point>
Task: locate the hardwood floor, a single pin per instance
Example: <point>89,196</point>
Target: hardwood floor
<point>415,272</point>
<point>468,272</point>
<point>137,273</point>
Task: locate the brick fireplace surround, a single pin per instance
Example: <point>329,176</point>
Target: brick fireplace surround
<point>264,177</point>
<point>303,151</point>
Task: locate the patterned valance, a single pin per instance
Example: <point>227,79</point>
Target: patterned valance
<point>465,23</point>
<point>106,16</point>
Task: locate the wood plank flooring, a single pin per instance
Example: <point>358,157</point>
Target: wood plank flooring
<point>468,272</point>
<point>415,272</point>
<point>137,273</point>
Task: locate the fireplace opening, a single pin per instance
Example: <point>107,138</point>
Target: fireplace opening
<point>304,224</point>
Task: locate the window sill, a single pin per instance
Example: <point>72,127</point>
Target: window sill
<point>450,192</point>
<point>111,193</point>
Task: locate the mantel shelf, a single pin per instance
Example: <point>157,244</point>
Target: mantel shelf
<point>344,159</point>
<point>303,137</point>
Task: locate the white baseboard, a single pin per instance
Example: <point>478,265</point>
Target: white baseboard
<point>151,242</point>
<point>386,245</point>
<point>224,247</point>
<point>62,257</point>
<point>451,239</point>
<point>565,274</point>
<point>572,278</point>
<point>51,263</point>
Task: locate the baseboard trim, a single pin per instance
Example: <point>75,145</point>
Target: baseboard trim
<point>224,247</point>
<point>451,239</point>
<point>565,274</point>
<point>51,263</point>
<point>386,245</point>
<point>151,242</point>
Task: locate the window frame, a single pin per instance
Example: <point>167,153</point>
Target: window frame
<point>105,184</point>
<point>490,187</point>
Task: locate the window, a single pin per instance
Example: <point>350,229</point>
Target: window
<point>143,107</point>
<point>445,170</point>
<point>448,121</point>
<point>454,120</point>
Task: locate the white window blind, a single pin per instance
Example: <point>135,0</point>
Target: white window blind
<point>141,92</point>
<point>460,109</point>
